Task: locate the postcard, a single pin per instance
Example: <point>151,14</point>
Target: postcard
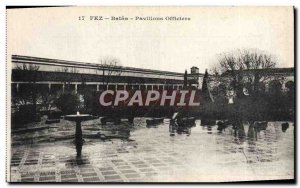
<point>150,94</point>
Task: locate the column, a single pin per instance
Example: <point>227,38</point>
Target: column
<point>75,88</point>
<point>267,87</point>
<point>283,88</point>
<point>97,87</point>
<point>78,138</point>
<point>49,86</point>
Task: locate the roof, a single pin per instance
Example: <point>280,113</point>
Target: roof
<point>56,62</point>
<point>271,71</point>
<point>40,76</point>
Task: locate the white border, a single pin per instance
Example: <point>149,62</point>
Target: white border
<point>3,183</point>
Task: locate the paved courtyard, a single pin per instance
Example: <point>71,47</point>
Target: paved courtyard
<point>151,154</point>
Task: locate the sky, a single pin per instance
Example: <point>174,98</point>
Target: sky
<point>163,45</point>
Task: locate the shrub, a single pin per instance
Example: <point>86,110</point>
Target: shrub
<point>54,114</point>
<point>25,114</point>
<point>68,103</point>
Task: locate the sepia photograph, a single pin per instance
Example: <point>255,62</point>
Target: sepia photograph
<point>161,94</point>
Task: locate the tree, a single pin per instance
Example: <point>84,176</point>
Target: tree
<point>205,90</point>
<point>67,79</point>
<point>244,69</point>
<point>46,97</point>
<point>244,73</point>
<point>28,94</point>
<point>185,79</point>
<point>204,83</point>
<point>109,67</point>
<point>67,102</point>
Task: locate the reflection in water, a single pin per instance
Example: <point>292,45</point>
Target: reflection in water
<point>209,123</point>
<point>209,129</point>
<point>255,128</point>
<point>119,133</point>
<point>260,125</point>
<point>219,154</point>
<point>284,126</point>
<point>252,133</point>
<point>222,125</point>
<point>239,129</point>
<point>184,130</point>
<point>151,126</point>
<point>79,160</point>
<point>154,122</point>
<point>181,123</point>
<point>180,128</point>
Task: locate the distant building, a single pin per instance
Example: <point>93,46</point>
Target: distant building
<point>195,78</point>
<point>57,74</point>
<point>194,70</point>
<point>273,77</point>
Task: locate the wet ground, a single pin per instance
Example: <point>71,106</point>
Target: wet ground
<point>152,154</point>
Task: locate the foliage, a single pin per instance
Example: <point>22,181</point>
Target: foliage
<point>109,67</point>
<point>185,79</point>
<point>245,74</point>
<point>67,102</point>
<point>27,94</point>
<point>25,114</point>
<point>244,69</point>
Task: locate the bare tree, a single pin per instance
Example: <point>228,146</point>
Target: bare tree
<point>110,67</point>
<point>30,91</point>
<point>69,70</point>
<point>46,98</point>
<point>244,68</point>
<point>67,79</point>
<point>28,67</point>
